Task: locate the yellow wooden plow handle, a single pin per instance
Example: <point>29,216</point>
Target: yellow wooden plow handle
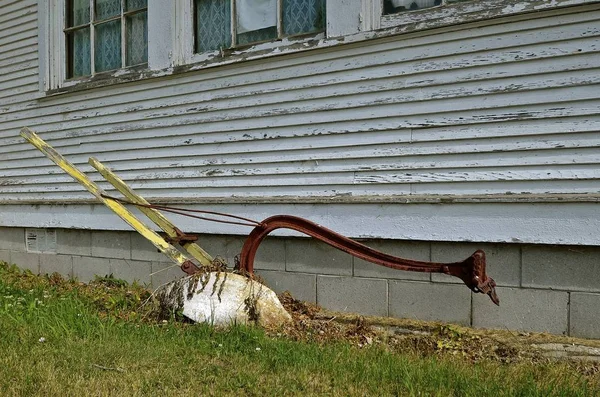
<point>116,207</point>
<point>154,215</point>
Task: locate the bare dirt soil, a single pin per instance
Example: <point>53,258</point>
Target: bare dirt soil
<point>311,323</point>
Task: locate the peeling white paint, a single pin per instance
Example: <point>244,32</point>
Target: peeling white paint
<point>513,9</point>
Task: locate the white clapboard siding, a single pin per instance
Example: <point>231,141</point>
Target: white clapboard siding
<point>504,108</point>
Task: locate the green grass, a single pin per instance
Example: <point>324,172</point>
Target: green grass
<point>95,342</point>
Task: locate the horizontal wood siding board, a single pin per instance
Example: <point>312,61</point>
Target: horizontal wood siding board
<point>454,86</point>
<point>569,102</point>
<point>297,193</point>
<point>341,176</point>
<point>20,28</point>
<point>252,153</point>
<point>16,10</point>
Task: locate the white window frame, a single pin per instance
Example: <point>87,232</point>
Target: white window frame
<point>185,37</point>
<point>53,52</point>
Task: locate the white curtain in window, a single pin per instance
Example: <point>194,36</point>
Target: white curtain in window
<point>255,14</point>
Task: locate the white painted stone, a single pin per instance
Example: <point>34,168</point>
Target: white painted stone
<point>222,299</point>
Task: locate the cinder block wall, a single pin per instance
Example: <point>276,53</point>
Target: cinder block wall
<point>542,288</point>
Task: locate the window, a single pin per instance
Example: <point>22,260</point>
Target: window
<point>394,6</point>
<point>103,35</point>
<point>222,24</point>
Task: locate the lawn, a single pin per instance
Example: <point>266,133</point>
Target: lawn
<point>61,338</point>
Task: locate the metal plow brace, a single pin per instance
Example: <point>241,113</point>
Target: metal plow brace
<point>471,271</point>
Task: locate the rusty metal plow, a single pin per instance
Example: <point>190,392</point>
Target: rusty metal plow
<point>222,297</point>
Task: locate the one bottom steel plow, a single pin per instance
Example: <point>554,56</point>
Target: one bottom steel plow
<point>471,271</point>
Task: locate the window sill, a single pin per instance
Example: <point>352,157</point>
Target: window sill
<point>254,51</point>
<point>119,76</point>
<point>196,62</point>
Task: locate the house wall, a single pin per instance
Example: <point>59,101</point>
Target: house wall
<point>482,133</point>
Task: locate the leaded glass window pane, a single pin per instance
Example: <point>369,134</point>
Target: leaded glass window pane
<point>135,4</point>
<point>108,46</point>
<point>137,39</point>
<point>78,53</point>
<point>108,40</point>
<point>257,35</point>
<point>303,16</point>
<point>78,12</point>
<point>107,8</point>
<point>213,25</point>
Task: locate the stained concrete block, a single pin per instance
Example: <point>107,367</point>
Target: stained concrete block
<point>12,238</point>
<point>85,268</point>
<point>416,250</point>
<point>302,286</point>
<point>523,310</point>
<point>585,315</point>
<point>567,267</point>
<point>61,264</point>
<point>144,250</point>
<point>227,247</point>
<point>74,242</point>
<point>165,272</point>
<point>5,256</point>
<point>312,256</point>
<point>430,301</point>
<point>270,254</point>
<point>366,296</point>
<point>111,244</point>
<point>26,261</point>
<point>503,261</point>
<point>130,270</point>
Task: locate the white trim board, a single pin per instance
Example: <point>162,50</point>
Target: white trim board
<point>539,223</point>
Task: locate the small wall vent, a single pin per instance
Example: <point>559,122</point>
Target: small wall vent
<point>41,240</point>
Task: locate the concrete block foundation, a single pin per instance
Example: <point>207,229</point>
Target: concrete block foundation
<point>353,294</point>
<point>542,288</point>
<point>430,301</point>
<point>524,310</point>
<point>584,315</point>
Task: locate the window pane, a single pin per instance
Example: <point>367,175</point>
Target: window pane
<point>79,55</point>
<point>135,4</point>
<point>256,20</point>
<point>107,8</point>
<point>303,16</point>
<point>213,25</point>
<point>137,38</point>
<point>257,35</point>
<point>394,6</point>
<point>78,12</point>
<point>108,46</point>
